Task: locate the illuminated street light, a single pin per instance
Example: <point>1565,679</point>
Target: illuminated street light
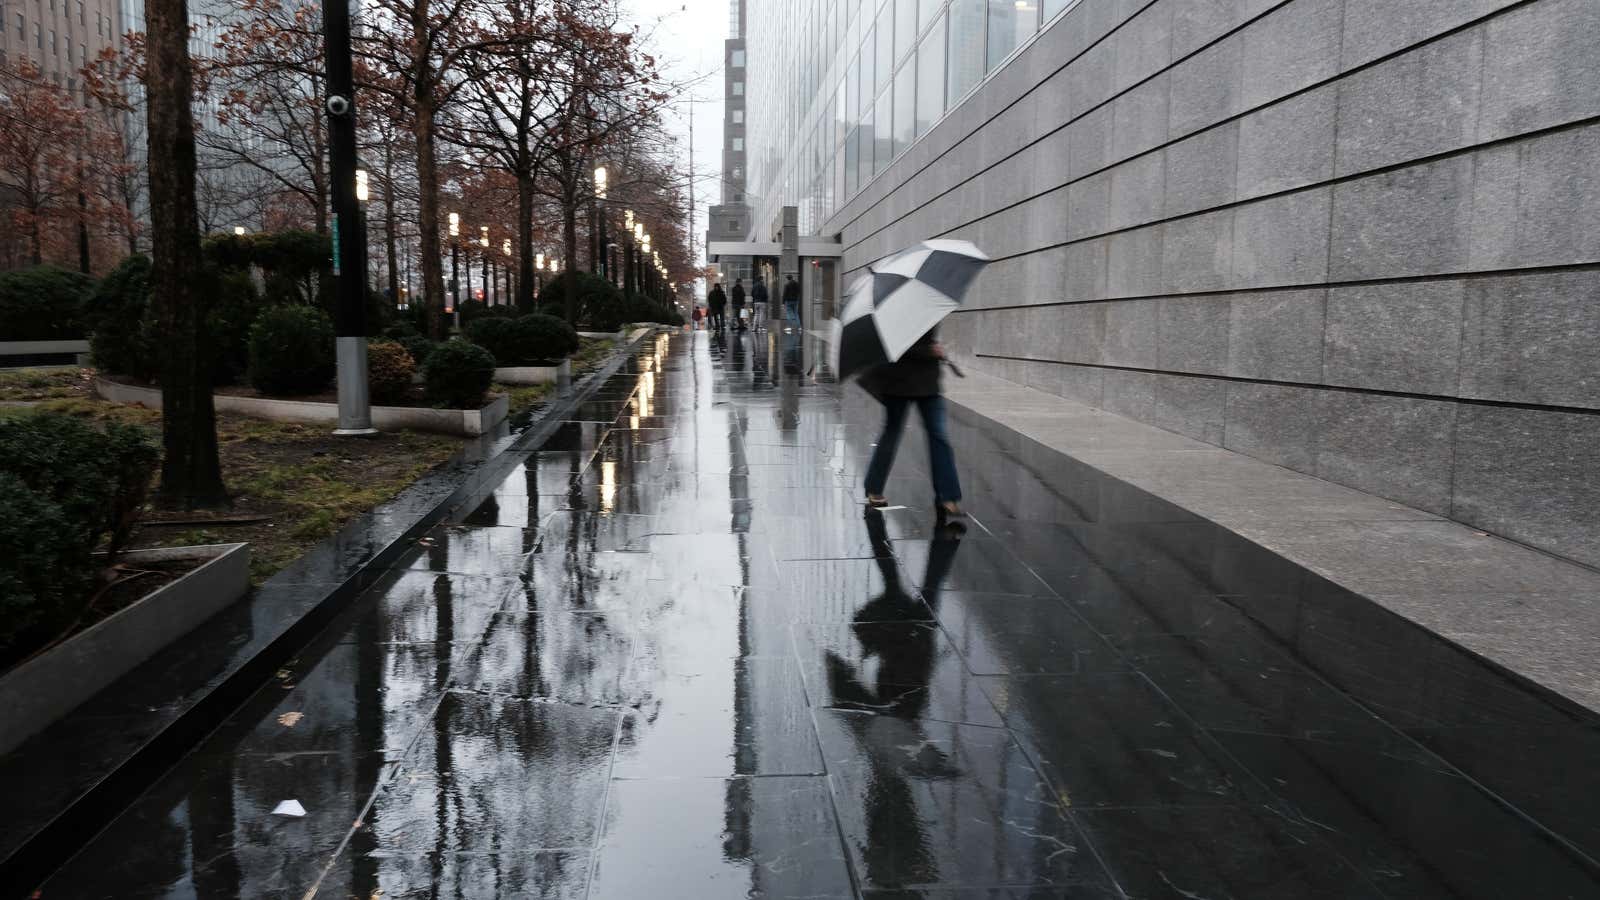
<point>484,231</point>
<point>600,180</point>
<point>361,185</point>
<point>455,224</point>
<point>505,246</point>
<point>238,229</point>
<point>627,219</point>
<point>538,261</point>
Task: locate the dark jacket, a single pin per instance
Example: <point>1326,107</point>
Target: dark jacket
<point>791,292</point>
<point>738,296</point>
<point>717,300</point>
<point>917,374</point>
<point>758,292</point>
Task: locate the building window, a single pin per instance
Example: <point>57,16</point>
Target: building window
<point>964,66</point>
<point>53,50</point>
<point>38,35</point>
<point>885,34</point>
<point>738,172</point>
<point>733,224</point>
<point>905,27</point>
<point>738,89</point>
<point>738,117</point>
<point>738,59</point>
<point>738,145</point>
<point>930,78</point>
<point>82,20</point>
<point>905,108</point>
<point>83,56</point>
<point>1010,23</point>
<point>22,27</point>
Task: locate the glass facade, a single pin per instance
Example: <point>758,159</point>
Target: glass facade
<point>845,86</point>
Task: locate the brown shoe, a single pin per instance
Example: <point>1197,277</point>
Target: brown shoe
<point>876,501</point>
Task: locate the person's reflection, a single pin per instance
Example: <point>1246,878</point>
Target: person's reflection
<point>897,747</point>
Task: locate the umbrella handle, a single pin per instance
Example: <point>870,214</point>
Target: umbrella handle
<point>955,369</point>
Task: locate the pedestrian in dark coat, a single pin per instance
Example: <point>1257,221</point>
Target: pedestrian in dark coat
<point>738,305</point>
<point>718,301</point>
<point>791,299</point>
<point>758,303</point>
<point>915,379</point>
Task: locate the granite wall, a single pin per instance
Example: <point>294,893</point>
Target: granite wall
<point>1357,238</point>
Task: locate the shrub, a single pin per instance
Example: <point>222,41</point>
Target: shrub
<point>601,306</point>
<point>291,351</point>
<point>389,370</point>
<point>458,375</point>
<point>545,338</point>
<point>66,488</point>
<point>43,303</point>
<point>235,304</point>
<point>123,335</point>
<point>419,347</point>
<point>528,340</point>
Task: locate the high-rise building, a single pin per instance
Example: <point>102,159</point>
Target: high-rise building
<point>729,220</point>
<point>1356,238</point>
<point>59,36</point>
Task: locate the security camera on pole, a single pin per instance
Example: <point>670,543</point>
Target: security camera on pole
<point>349,238</point>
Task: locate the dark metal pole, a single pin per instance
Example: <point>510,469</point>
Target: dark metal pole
<point>455,271</point>
<point>349,250</point>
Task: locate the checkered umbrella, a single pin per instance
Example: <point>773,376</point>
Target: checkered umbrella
<point>900,300</point>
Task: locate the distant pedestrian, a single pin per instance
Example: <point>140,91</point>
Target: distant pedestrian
<point>697,315</point>
<point>914,379</point>
<point>791,299</point>
<point>738,305</point>
<point>718,301</point>
<point>758,302</point>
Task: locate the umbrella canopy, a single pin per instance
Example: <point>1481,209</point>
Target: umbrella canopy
<point>899,300</point>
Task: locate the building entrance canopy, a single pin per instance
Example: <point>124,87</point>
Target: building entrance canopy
<point>812,248</point>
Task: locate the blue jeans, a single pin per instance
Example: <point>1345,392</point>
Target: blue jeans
<point>941,459</point>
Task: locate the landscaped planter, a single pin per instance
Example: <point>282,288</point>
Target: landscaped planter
<point>384,418</point>
<point>50,685</point>
<point>16,354</point>
<point>533,374</point>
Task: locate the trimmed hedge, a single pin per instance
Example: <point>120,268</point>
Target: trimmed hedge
<point>43,303</point>
<point>601,306</point>
<point>123,339</point>
<point>67,487</point>
<point>291,351</point>
<point>389,370</point>
<point>458,375</point>
<point>528,340</point>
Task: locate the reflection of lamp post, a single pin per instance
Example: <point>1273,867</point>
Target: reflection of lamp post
<point>455,261</point>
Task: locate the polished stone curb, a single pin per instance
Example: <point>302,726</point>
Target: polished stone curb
<point>316,598</point>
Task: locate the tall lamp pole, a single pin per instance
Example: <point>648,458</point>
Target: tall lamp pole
<point>483,241</point>
<point>349,243</point>
<point>455,260</point>
<point>601,180</point>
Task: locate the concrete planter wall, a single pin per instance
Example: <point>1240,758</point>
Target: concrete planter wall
<point>77,349</point>
<point>384,418</point>
<point>533,374</point>
<point>603,335</point>
<point>49,686</point>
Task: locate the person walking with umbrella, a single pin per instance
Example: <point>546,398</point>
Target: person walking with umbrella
<point>888,334</point>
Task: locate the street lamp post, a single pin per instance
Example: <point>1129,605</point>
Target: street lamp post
<point>349,252</point>
<point>455,260</point>
<point>601,180</point>
<point>483,241</point>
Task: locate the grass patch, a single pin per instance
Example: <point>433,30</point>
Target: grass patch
<point>300,480</point>
<point>45,384</point>
<point>592,352</point>
<point>524,397</point>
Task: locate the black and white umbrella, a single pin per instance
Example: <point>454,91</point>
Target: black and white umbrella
<point>899,300</point>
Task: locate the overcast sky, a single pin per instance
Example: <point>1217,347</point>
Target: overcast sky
<point>687,38</point>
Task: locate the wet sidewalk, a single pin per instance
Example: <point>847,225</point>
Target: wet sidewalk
<point>670,656</point>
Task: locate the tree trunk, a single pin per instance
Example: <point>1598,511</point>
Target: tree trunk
<point>569,233</point>
<point>389,224</point>
<point>191,474</point>
<point>428,214</point>
<point>525,298</point>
